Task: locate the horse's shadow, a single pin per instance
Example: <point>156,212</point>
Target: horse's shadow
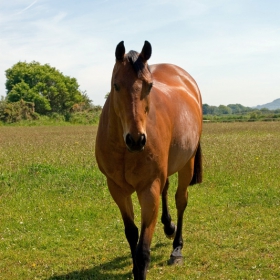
<point>106,270</point>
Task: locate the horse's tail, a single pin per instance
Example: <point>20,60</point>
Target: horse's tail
<point>197,174</point>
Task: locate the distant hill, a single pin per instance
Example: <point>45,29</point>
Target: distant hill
<point>271,106</point>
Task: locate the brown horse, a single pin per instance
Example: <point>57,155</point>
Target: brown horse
<point>149,129</point>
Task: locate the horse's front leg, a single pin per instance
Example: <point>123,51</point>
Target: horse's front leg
<point>124,202</point>
<point>149,200</point>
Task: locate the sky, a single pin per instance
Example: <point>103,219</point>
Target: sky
<point>230,47</point>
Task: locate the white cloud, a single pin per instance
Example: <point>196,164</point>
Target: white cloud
<point>25,9</point>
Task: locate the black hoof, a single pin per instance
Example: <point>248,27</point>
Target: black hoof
<point>172,234</point>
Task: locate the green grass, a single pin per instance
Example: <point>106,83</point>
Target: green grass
<point>58,221</point>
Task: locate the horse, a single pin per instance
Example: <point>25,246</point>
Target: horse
<point>150,128</point>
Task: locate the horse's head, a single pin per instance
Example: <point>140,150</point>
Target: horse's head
<point>130,88</point>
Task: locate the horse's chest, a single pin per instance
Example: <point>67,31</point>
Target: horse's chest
<point>134,169</point>
<point>139,168</point>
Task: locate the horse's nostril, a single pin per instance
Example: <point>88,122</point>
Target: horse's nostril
<point>129,140</point>
<point>143,140</point>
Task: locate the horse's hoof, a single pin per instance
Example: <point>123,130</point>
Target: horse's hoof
<point>175,260</point>
<point>176,257</point>
<point>172,236</point>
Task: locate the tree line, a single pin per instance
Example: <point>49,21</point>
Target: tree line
<point>238,112</point>
<point>225,110</point>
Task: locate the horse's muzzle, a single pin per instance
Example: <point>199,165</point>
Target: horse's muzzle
<point>135,146</point>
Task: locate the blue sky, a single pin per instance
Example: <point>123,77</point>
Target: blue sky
<point>231,48</point>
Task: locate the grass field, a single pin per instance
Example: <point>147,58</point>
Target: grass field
<point>58,221</point>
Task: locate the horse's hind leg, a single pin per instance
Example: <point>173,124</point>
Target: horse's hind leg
<point>169,226</point>
<point>184,179</point>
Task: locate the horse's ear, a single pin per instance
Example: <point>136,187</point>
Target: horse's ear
<point>120,51</point>
<point>146,51</point>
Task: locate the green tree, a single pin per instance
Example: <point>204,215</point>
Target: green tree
<point>224,109</point>
<point>44,85</point>
<point>210,110</point>
<point>265,111</point>
<point>238,108</point>
<point>205,109</point>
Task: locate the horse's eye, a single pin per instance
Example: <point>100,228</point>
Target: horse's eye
<point>116,87</point>
<point>150,87</point>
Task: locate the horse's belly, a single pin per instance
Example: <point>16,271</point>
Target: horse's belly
<point>180,153</point>
<point>177,159</point>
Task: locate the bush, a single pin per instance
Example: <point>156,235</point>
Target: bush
<point>17,111</point>
<point>23,113</point>
<point>88,117</point>
<point>57,117</point>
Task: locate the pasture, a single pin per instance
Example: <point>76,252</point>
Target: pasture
<point>58,220</point>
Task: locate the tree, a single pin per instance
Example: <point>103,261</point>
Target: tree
<point>224,109</point>
<point>205,109</point>
<point>238,108</point>
<point>209,110</point>
<point>44,85</point>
